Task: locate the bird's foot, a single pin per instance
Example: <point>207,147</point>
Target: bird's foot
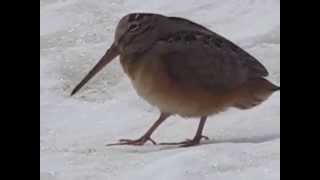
<point>188,142</point>
<point>137,142</point>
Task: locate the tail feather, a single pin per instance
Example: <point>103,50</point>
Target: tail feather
<point>254,92</point>
<point>277,88</point>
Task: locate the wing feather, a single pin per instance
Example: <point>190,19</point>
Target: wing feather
<point>206,59</point>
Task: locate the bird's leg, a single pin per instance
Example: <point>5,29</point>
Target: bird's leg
<point>146,137</point>
<point>197,138</point>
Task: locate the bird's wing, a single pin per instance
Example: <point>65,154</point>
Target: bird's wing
<point>206,59</point>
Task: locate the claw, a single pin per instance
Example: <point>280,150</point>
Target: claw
<point>205,137</point>
<point>187,142</point>
<point>138,142</point>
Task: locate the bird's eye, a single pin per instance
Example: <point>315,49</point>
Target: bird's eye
<point>133,27</point>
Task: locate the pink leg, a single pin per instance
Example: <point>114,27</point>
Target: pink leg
<point>197,138</point>
<point>146,137</point>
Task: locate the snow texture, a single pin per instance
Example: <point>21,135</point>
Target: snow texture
<point>74,34</point>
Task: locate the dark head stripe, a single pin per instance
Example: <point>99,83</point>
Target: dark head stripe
<point>138,16</point>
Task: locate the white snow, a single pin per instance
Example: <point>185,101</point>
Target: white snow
<point>74,34</point>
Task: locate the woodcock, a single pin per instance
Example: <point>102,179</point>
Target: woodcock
<point>184,68</point>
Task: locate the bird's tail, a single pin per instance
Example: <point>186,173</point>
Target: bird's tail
<point>276,88</point>
<point>254,92</point>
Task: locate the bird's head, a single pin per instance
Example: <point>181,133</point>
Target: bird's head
<point>134,34</point>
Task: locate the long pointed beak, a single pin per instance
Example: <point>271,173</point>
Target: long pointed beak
<point>108,57</point>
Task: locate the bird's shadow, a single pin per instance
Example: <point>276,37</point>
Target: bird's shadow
<point>254,139</point>
<point>154,148</point>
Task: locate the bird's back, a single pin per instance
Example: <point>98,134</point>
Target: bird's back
<point>196,55</point>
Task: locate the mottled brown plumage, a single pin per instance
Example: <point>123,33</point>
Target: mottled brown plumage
<point>184,68</point>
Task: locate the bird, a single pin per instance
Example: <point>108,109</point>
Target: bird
<point>183,68</point>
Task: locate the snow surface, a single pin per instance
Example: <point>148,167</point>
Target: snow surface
<point>74,34</point>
